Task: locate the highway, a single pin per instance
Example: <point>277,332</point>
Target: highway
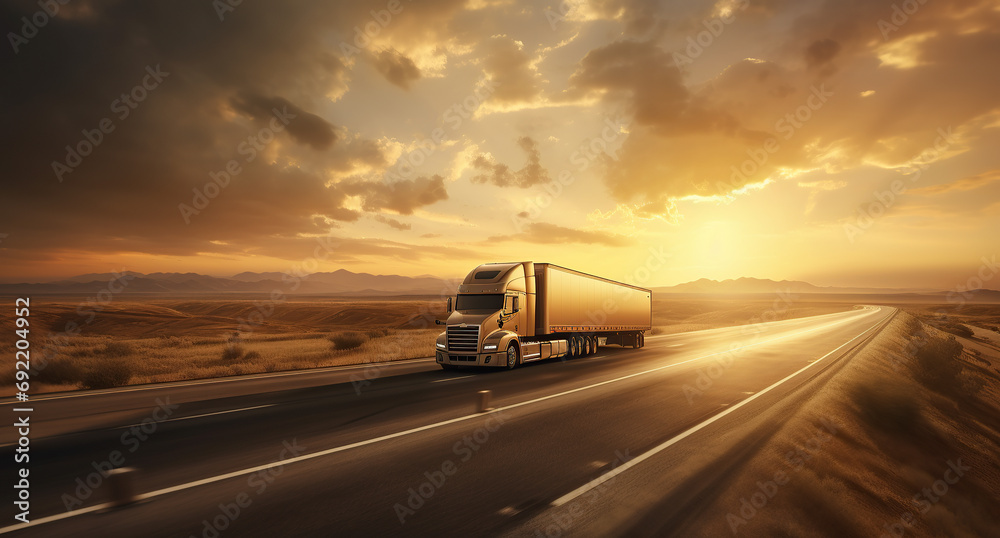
<point>583,447</point>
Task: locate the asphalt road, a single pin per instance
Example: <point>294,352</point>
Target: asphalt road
<point>588,446</point>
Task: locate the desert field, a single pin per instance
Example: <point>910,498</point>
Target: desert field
<point>77,343</point>
<point>877,444</point>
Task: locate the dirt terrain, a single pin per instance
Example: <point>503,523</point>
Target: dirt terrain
<point>900,442</point>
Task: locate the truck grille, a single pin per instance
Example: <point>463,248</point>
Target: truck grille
<point>463,339</point>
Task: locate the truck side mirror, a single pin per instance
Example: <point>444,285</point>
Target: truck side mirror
<point>449,305</point>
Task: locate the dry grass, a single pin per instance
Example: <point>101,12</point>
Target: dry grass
<point>904,409</point>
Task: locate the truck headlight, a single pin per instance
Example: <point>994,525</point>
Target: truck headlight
<point>440,346</point>
<point>491,347</point>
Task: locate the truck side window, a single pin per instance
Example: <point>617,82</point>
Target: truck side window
<point>508,304</point>
<point>516,307</point>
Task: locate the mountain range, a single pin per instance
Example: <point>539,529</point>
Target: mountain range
<point>340,282</point>
<point>344,282</point>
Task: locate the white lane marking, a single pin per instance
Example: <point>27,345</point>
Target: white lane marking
<point>330,369</point>
<point>204,415</point>
<point>450,379</point>
<point>674,345</point>
<point>652,452</point>
<point>174,419</point>
<point>305,457</point>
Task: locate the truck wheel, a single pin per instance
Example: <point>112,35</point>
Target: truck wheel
<point>594,344</point>
<point>511,356</point>
<point>642,339</point>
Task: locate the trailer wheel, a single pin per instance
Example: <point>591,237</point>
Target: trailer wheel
<point>511,356</point>
<point>596,342</point>
<point>642,339</point>
<point>635,341</point>
<point>591,345</point>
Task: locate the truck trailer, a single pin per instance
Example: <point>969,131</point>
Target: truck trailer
<point>507,314</point>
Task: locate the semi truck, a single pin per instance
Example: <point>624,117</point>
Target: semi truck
<point>507,314</point>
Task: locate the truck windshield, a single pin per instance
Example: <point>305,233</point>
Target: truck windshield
<point>479,302</point>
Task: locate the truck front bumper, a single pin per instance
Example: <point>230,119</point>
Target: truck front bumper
<point>469,359</point>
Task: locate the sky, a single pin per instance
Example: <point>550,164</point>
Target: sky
<point>841,142</point>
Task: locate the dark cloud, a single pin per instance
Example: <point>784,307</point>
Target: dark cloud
<point>641,73</point>
<point>547,234</point>
<point>532,173</point>
<point>396,68</point>
<point>221,81</point>
<point>304,127</point>
<point>401,196</point>
<point>821,52</point>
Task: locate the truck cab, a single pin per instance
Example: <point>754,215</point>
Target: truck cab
<point>491,313</point>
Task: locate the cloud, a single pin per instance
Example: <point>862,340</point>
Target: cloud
<point>638,72</point>
<point>510,67</point>
<point>304,127</point>
<point>965,184</point>
<point>548,234</point>
<point>393,223</point>
<point>533,173</point>
<point>401,196</point>
<point>396,68</point>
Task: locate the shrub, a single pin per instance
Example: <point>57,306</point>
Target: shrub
<point>113,373</point>
<point>232,352</point>
<point>347,340</point>
<point>938,362</point>
<point>252,356</point>
<point>58,371</point>
<point>887,407</point>
<point>377,333</point>
<point>116,350</point>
